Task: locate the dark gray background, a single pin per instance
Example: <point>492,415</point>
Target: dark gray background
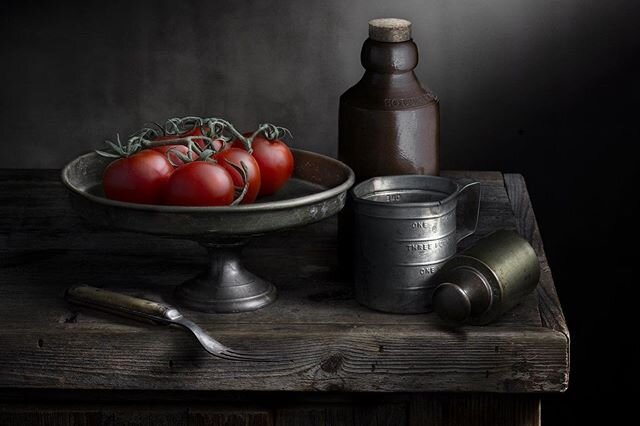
<point>545,88</point>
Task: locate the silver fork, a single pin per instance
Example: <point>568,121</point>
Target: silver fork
<point>155,312</point>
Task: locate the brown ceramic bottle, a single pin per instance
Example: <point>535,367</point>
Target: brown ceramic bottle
<point>389,123</point>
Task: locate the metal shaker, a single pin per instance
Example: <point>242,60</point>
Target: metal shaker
<point>486,280</point>
<point>406,228</point>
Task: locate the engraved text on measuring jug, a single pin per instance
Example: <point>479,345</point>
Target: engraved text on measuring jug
<point>426,224</point>
<point>428,245</point>
<point>432,226</point>
<point>428,270</point>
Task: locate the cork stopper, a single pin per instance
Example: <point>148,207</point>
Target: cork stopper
<point>390,30</point>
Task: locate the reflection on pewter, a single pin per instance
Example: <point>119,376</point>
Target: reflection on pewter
<point>405,230</point>
<point>316,191</point>
<point>486,280</point>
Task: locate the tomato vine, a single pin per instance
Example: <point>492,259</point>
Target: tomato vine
<point>204,139</point>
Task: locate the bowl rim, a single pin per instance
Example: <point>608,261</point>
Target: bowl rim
<point>267,206</point>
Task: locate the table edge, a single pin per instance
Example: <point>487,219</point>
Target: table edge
<point>550,307</point>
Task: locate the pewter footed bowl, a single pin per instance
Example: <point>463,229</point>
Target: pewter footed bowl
<point>316,191</point>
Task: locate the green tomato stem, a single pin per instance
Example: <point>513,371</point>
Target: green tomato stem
<point>261,129</point>
<point>186,141</point>
<point>211,122</point>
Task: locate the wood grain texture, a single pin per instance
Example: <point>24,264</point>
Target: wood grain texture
<point>284,409</point>
<point>127,415</point>
<point>475,410</point>
<point>548,301</point>
<point>315,416</point>
<point>230,417</point>
<point>381,414</point>
<point>332,342</point>
<point>550,308</point>
<point>50,418</point>
<point>325,358</point>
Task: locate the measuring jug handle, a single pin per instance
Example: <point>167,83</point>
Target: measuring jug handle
<point>469,204</point>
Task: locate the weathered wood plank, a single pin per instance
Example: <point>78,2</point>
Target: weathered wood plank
<point>144,416</point>
<point>329,357</point>
<point>127,415</point>
<point>339,415</point>
<point>293,409</point>
<point>475,410</point>
<point>550,308</point>
<point>312,416</point>
<point>381,414</point>
<point>334,344</point>
<point>309,291</point>
<point>10,417</point>
<point>487,177</point>
<point>229,417</point>
<point>548,302</point>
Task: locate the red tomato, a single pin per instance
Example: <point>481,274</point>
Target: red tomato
<point>275,160</point>
<point>173,157</point>
<point>140,178</point>
<point>199,184</point>
<point>235,156</point>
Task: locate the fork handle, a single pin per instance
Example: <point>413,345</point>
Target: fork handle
<point>121,304</point>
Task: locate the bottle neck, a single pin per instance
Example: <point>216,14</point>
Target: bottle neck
<point>389,58</point>
<point>389,66</point>
<point>405,81</point>
<point>389,82</point>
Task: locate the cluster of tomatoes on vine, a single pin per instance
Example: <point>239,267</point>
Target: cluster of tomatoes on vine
<point>194,161</point>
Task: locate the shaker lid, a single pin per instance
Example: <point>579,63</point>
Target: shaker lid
<point>451,303</point>
<point>462,294</point>
<point>390,30</point>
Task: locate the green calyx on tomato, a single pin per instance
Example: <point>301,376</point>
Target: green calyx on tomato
<point>119,150</point>
<point>272,155</point>
<point>197,161</point>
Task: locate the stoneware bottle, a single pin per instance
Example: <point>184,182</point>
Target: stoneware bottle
<point>389,122</point>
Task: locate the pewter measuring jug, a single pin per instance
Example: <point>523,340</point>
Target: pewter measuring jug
<point>406,228</point>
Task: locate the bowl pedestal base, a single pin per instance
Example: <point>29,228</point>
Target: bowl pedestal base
<point>225,286</point>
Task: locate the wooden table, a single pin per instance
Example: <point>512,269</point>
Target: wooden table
<point>352,366</point>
